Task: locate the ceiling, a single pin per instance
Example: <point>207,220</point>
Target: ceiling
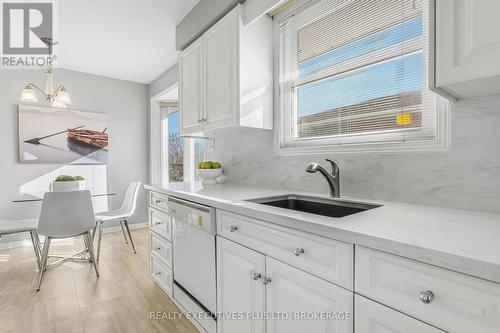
<point>131,40</point>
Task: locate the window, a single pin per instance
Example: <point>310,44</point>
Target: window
<point>180,155</point>
<point>353,77</point>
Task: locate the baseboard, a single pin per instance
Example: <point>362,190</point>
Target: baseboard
<point>26,241</point>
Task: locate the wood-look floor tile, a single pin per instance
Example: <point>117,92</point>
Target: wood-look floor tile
<point>73,299</point>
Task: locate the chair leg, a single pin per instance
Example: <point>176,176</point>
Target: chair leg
<point>87,237</point>
<point>36,247</point>
<point>129,236</point>
<point>99,238</point>
<point>43,262</point>
<point>123,230</point>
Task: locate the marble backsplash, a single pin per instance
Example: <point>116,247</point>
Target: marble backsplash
<point>467,177</point>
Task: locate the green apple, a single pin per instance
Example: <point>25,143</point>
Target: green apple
<point>216,165</point>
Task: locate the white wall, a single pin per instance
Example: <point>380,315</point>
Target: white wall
<point>126,105</point>
<point>467,177</point>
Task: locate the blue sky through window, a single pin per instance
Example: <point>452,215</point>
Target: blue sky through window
<point>385,79</point>
<point>368,83</point>
<point>390,36</point>
<point>173,123</point>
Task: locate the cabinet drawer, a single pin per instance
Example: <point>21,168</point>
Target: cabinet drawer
<point>161,274</point>
<point>160,223</point>
<point>160,248</point>
<point>372,317</point>
<point>158,201</point>
<point>329,259</point>
<point>459,303</point>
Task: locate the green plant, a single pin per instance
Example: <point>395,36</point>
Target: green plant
<point>79,178</point>
<point>65,178</point>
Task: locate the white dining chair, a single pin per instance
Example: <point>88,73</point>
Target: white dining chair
<point>121,215</point>
<point>66,215</point>
<point>19,226</point>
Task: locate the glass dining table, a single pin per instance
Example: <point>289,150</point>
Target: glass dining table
<point>38,196</point>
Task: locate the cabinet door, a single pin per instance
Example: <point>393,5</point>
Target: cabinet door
<point>303,297</point>
<point>239,287</point>
<point>372,317</point>
<point>191,87</point>
<point>468,46</point>
<point>221,68</point>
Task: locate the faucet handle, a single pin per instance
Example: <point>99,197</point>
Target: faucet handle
<point>334,166</point>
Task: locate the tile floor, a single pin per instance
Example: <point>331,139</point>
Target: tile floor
<point>73,300</point>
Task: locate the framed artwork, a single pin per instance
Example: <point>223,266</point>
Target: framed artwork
<point>52,135</point>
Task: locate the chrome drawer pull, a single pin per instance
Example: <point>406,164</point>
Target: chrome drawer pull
<point>266,280</point>
<point>298,251</point>
<point>255,276</point>
<point>233,228</point>
<point>426,296</point>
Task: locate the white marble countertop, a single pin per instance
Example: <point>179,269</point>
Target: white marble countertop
<point>464,241</point>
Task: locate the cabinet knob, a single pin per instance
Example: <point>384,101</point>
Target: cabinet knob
<point>157,248</point>
<point>158,274</point>
<point>255,276</point>
<point>266,280</point>
<point>157,201</point>
<point>298,251</point>
<point>158,223</point>
<point>233,228</point>
<point>426,296</point>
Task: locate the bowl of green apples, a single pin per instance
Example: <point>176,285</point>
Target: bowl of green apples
<point>209,171</point>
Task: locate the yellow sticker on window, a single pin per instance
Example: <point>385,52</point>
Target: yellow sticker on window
<point>404,119</point>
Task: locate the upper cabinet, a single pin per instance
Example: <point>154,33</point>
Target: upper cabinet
<point>226,76</point>
<point>467,47</point>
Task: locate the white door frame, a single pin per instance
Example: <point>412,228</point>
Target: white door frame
<point>156,159</point>
<point>157,156</point>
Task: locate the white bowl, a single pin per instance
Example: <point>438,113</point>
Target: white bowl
<point>209,176</point>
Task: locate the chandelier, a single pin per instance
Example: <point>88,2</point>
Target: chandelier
<point>59,97</point>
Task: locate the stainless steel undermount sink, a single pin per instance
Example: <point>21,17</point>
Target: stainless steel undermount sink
<point>313,205</point>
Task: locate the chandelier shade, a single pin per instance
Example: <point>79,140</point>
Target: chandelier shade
<point>29,95</point>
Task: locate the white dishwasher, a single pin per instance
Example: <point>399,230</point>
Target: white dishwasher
<point>194,259</point>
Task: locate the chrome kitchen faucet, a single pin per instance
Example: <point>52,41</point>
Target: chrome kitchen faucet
<point>332,177</point>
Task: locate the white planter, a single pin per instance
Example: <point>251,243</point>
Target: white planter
<point>209,176</point>
<point>78,185</point>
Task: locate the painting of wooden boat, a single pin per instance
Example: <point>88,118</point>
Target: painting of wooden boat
<point>88,137</point>
<point>62,136</point>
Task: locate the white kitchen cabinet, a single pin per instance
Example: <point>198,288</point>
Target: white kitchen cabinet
<point>448,300</point>
<point>191,87</point>
<point>226,76</point>
<point>239,287</point>
<point>250,282</point>
<point>220,56</point>
<point>300,294</point>
<point>467,47</point>
<point>372,317</point>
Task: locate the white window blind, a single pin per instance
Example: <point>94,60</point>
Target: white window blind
<point>354,73</point>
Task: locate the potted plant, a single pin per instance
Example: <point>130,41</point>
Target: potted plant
<point>65,183</point>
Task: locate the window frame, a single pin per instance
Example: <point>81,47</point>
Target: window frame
<point>158,173</point>
<point>285,104</point>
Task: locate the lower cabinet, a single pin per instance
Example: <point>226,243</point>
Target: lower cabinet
<point>239,287</point>
<point>266,295</point>
<point>372,317</point>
